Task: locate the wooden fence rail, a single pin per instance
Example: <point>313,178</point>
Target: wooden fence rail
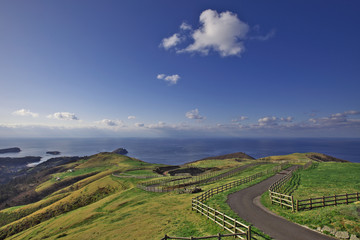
<point>171,184</point>
<point>228,223</point>
<point>308,204</point>
<point>219,236</point>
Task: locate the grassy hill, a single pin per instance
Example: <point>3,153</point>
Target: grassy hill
<point>94,198</point>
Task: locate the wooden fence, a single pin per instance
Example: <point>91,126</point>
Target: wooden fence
<point>219,236</point>
<point>230,224</point>
<point>277,197</point>
<point>171,184</point>
<point>306,204</point>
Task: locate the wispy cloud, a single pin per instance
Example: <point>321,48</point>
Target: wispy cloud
<point>139,125</point>
<point>194,114</point>
<point>25,113</point>
<point>171,79</point>
<point>63,116</point>
<point>131,117</point>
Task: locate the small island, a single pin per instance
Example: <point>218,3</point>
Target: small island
<point>10,150</point>
<point>53,152</point>
<point>121,151</point>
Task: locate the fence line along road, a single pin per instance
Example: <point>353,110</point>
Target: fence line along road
<point>228,223</point>
<point>285,200</point>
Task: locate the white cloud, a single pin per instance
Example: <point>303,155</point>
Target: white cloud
<point>222,33</point>
<point>171,41</point>
<point>241,118</point>
<point>171,79</point>
<point>25,112</point>
<point>269,35</point>
<point>63,116</point>
<point>184,26</point>
<point>194,114</point>
<point>139,125</point>
<point>111,123</point>
<point>287,119</point>
<point>131,117</point>
<point>267,121</point>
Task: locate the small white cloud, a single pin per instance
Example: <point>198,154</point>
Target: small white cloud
<point>194,114</point>
<point>239,119</point>
<point>222,33</point>
<point>111,123</point>
<point>268,121</point>
<point>184,26</point>
<point>131,117</point>
<point>171,41</point>
<point>139,125</point>
<point>25,112</point>
<point>171,79</point>
<point>63,116</point>
<point>269,35</point>
<point>287,119</point>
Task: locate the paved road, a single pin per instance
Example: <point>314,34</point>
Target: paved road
<point>246,203</point>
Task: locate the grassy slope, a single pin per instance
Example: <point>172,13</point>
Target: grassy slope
<point>82,211</point>
<point>326,179</point>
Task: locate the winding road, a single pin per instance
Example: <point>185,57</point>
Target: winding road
<point>246,203</point>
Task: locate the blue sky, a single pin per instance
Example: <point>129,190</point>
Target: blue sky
<point>179,68</point>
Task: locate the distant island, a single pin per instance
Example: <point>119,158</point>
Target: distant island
<point>10,150</point>
<point>53,152</point>
<point>121,151</point>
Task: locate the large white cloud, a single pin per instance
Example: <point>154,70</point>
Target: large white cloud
<point>194,114</point>
<point>171,79</point>
<point>63,116</point>
<point>25,112</point>
<point>222,33</point>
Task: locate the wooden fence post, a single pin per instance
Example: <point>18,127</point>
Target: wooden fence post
<point>249,232</point>
<point>357,196</point>
<point>335,199</point>
<point>310,203</point>
<point>292,203</point>
<point>323,200</point>
<point>219,236</point>
<point>166,237</point>
<point>297,205</point>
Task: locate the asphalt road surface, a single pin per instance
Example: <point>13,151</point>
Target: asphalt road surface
<point>246,203</point>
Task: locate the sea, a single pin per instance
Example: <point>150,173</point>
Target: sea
<point>180,151</point>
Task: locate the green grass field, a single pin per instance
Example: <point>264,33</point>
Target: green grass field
<point>325,179</point>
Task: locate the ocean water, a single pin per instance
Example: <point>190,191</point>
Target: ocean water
<point>179,151</point>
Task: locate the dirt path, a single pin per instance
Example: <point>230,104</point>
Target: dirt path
<point>246,203</point>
